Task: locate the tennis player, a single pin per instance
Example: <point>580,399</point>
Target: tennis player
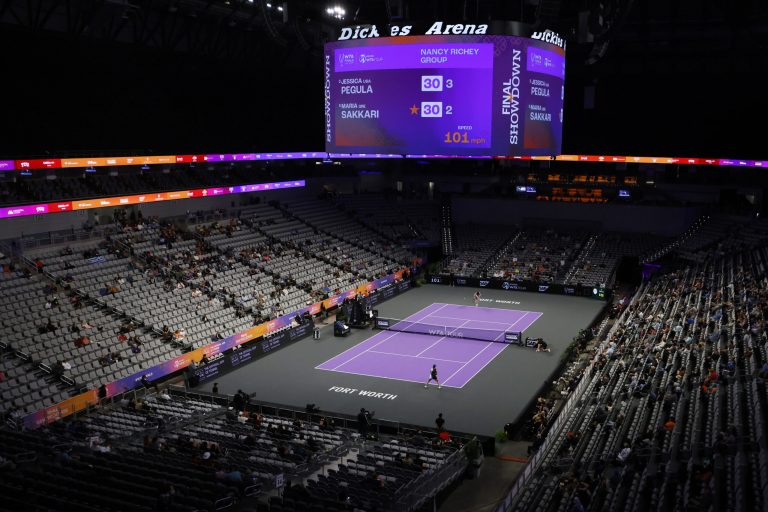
<point>433,377</point>
<point>477,298</point>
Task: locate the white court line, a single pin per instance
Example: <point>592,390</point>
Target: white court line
<point>364,351</point>
<point>356,345</point>
<point>490,308</point>
<point>497,355</point>
<point>465,364</point>
<point>383,377</point>
<point>441,338</point>
<point>511,326</point>
<point>382,341</point>
<point>485,348</point>
<point>417,357</point>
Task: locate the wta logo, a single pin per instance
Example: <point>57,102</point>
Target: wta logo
<point>451,334</point>
<point>345,58</point>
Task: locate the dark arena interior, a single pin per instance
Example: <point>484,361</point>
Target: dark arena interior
<point>383,256</point>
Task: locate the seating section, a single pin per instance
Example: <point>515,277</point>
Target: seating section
<point>91,464</point>
<point>542,255</point>
<point>73,184</point>
<point>133,294</point>
<point>304,254</point>
<point>44,320</point>
<point>398,219</point>
<point>173,452</point>
<point>602,253</point>
<point>361,248</point>
<point>474,247</point>
<point>673,413</point>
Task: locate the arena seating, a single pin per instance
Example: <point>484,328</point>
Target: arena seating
<point>474,247</point>
<point>672,412</point>
<point>544,255</point>
<point>219,275</point>
<point>169,451</point>
<point>399,219</point>
<point>602,252</point>
<point>76,185</point>
<point>363,246</point>
<point>42,321</point>
<point>537,255</point>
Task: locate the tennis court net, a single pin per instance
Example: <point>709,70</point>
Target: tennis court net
<point>447,331</point>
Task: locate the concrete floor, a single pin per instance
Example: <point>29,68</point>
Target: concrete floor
<point>483,494</point>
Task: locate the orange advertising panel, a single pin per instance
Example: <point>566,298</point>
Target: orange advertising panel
<point>84,162</point>
<point>85,204</point>
<point>144,160</point>
<point>179,194</point>
<point>69,406</point>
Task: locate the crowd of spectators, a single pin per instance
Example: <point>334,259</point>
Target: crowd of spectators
<point>679,377</point>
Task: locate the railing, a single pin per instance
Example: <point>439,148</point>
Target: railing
<point>24,243</point>
<point>379,425</point>
<point>553,436</point>
<point>414,494</point>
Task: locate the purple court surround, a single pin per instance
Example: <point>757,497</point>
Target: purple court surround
<point>409,357</point>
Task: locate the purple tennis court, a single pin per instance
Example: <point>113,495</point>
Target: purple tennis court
<point>407,356</point>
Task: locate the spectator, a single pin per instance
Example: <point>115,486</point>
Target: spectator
<point>82,341</point>
<point>146,383</point>
<point>624,454</point>
<point>102,393</point>
<point>238,401</point>
<point>439,421</point>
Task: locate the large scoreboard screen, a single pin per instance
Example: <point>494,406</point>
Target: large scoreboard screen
<point>494,95</point>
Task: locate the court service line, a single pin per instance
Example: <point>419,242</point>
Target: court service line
<point>372,338</point>
<point>475,320</point>
<point>380,342</point>
<point>488,308</point>
<point>530,323</point>
<point>381,377</point>
<point>417,357</point>
<point>494,357</point>
<point>500,351</point>
<point>465,364</point>
<point>442,338</point>
<point>511,326</point>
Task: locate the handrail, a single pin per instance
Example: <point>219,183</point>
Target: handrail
<point>529,470</point>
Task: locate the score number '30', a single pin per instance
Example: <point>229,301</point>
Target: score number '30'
<point>435,83</point>
<point>435,109</point>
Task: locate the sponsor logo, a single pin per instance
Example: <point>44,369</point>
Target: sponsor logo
<point>484,282</point>
<point>549,37</point>
<point>543,287</point>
